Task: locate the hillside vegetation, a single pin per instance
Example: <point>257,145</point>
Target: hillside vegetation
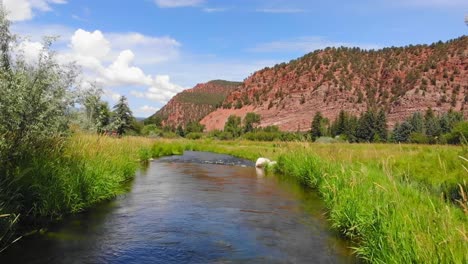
<point>401,80</point>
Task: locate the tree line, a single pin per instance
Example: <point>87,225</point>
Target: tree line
<point>371,126</point>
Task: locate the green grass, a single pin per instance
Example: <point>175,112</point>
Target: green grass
<point>386,198</point>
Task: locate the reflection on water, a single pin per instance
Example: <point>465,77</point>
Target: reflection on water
<point>190,209</point>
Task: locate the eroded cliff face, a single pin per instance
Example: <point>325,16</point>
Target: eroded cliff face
<point>194,104</point>
<point>400,80</point>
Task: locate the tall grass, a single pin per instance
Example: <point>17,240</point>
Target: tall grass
<point>386,198</point>
<point>390,220</point>
<point>383,197</point>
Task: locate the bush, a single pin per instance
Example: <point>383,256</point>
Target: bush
<point>458,135</point>
<point>194,135</point>
<point>419,138</point>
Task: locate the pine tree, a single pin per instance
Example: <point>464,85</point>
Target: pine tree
<point>381,132</point>
<point>366,127</point>
<point>122,116</point>
<point>417,122</point>
<point>342,125</point>
<point>401,133</point>
<point>316,128</point>
<point>432,124</point>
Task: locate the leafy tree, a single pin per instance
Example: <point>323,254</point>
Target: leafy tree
<point>459,134</point>
<point>35,100</point>
<point>122,116</point>
<point>233,126</point>
<point>180,131</point>
<point>250,121</point>
<point>194,127</point>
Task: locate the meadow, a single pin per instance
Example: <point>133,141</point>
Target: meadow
<point>396,203</point>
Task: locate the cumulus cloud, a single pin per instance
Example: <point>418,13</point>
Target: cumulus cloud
<point>19,10</point>
<point>30,50</point>
<point>148,50</point>
<point>105,63</point>
<point>161,90</point>
<point>178,3</point>
<point>90,44</point>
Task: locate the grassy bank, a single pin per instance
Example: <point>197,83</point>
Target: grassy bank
<point>386,198</point>
<point>69,178</point>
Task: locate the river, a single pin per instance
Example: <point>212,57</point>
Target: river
<point>196,208</point>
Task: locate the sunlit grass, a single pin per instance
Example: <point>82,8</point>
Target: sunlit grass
<point>398,203</point>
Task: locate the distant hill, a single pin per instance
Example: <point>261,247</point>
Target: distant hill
<point>194,104</point>
<point>402,80</point>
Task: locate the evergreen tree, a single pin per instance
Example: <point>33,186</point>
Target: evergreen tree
<point>122,116</point>
<point>417,122</point>
<point>401,133</point>
<point>366,127</point>
<point>103,117</point>
<point>316,128</point>
<point>342,125</point>
<point>432,124</point>
<point>381,131</point>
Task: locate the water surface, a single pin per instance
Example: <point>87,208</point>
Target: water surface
<point>193,209</point>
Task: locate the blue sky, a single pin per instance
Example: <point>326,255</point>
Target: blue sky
<point>149,50</point>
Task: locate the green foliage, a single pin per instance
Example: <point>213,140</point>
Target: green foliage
<point>319,126</point>
<point>194,135</point>
<point>151,130</point>
<point>194,127</point>
<point>250,121</point>
<point>401,133</point>
<point>233,126</point>
<point>122,117</point>
<point>459,134</point>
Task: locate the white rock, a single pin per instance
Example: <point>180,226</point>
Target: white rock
<point>262,162</point>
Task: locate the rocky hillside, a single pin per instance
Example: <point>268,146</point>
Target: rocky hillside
<point>400,80</point>
<point>194,104</point>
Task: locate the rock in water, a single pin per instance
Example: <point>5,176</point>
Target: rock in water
<point>262,162</point>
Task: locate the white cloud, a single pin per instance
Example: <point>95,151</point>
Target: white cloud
<point>103,62</point>
<point>305,44</point>
<point>161,90</point>
<point>111,95</point>
<point>281,10</point>
<point>30,50</point>
<point>148,50</point>
<point>90,44</point>
<point>19,10</point>
<point>121,72</point>
<point>214,10</point>
<point>178,3</point>
<point>147,109</point>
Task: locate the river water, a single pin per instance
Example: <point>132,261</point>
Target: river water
<point>196,208</point>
